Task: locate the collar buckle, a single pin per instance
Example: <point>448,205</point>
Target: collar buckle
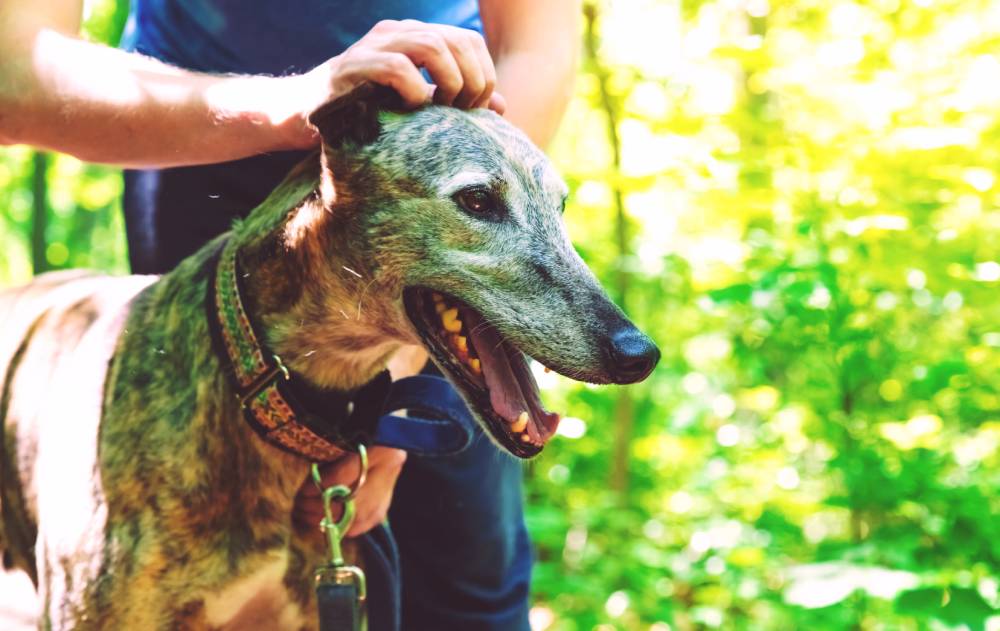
<point>263,381</point>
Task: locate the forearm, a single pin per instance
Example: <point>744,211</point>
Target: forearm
<point>105,105</point>
<point>535,48</point>
<point>537,92</point>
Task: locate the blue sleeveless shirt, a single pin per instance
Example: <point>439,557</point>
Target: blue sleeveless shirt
<point>274,37</point>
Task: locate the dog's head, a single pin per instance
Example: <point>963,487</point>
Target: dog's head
<point>456,217</point>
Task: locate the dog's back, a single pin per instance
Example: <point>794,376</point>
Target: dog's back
<point>42,325</point>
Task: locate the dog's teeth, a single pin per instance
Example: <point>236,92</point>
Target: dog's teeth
<point>461,343</point>
<point>520,424</point>
<point>525,438</point>
<point>449,318</point>
<point>475,366</point>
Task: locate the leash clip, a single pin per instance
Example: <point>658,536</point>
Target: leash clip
<point>337,572</point>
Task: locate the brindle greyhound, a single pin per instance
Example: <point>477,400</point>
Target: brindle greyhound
<point>134,492</point>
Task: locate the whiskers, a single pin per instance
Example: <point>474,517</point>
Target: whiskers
<point>361,298</point>
<point>364,292</point>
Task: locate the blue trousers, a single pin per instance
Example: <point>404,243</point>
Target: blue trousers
<point>464,558</point>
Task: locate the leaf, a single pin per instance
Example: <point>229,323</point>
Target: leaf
<point>740,292</point>
<point>953,605</point>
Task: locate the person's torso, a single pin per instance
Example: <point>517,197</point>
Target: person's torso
<point>170,213</point>
<point>274,37</point>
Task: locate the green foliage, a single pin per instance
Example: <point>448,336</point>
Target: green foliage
<point>79,208</point>
<point>812,198</point>
<point>811,226</point>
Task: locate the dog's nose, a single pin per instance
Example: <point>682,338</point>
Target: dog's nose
<point>633,355</point>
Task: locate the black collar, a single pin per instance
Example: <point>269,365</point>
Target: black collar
<point>281,406</point>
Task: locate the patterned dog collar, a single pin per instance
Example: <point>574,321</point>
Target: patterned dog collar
<point>282,407</point>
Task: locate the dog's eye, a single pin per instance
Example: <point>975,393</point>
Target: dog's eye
<point>480,202</point>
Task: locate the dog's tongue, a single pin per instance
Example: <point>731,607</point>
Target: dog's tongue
<point>512,387</point>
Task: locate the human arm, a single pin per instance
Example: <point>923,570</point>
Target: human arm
<point>100,104</point>
<point>534,46</point>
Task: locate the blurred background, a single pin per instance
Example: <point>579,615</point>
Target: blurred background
<point>799,201</point>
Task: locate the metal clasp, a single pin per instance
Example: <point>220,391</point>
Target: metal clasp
<point>337,571</point>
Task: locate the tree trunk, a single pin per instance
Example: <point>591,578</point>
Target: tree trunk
<point>39,211</point>
<point>623,408</point>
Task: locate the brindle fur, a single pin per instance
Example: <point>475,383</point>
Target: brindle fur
<point>134,494</point>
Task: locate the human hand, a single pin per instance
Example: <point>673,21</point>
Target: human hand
<point>409,360</point>
<point>391,54</point>
<point>372,500</point>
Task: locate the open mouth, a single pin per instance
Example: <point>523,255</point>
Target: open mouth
<point>492,374</point>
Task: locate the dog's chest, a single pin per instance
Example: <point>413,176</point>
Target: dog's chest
<point>258,600</point>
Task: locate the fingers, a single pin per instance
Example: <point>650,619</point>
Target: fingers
<point>392,54</point>
<point>408,361</point>
<point>373,506</point>
<point>482,54</point>
<point>392,69</point>
<point>497,103</point>
<point>473,73</point>
<point>456,59</point>
<point>429,50</point>
<point>373,498</point>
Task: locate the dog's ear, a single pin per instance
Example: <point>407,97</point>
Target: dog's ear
<point>353,118</point>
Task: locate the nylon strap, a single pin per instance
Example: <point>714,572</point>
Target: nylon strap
<point>317,424</point>
<point>339,609</point>
<point>438,422</point>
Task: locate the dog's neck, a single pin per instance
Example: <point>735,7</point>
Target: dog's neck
<point>308,289</point>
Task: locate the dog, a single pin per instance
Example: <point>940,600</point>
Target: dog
<point>134,491</point>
